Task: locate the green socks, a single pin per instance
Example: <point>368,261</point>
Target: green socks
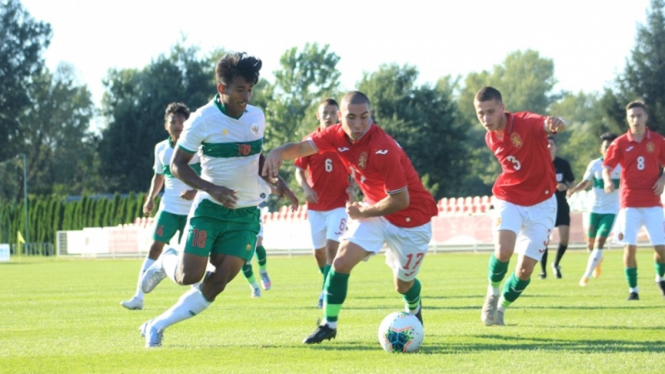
<point>337,285</point>
<point>325,270</point>
<point>660,269</point>
<point>249,274</point>
<point>497,270</point>
<point>260,254</point>
<point>631,277</point>
<point>513,289</point>
<point>412,296</point>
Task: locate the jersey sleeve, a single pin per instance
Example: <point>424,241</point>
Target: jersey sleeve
<point>390,167</point>
<point>588,174</point>
<point>301,162</point>
<point>324,140</point>
<point>158,167</point>
<point>612,156</point>
<point>193,134</point>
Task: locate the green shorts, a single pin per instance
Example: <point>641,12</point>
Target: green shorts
<point>600,225</point>
<point>214,229</point>
<point>166,226</point>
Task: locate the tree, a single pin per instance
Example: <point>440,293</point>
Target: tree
<point>423,120</point>
<point>22,41</point>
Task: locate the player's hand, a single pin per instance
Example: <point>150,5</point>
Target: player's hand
<point>271,165</point>
<point>608,187</point>
<point>311,196</point>
<point>224,196</point>
<point>351,192</point>
<point>570,192</point>
<point>148,207</point>
<point>658,187</point>
<point>561,186</point>
<point>292,198</point>
<point>353,209</point>
<point>555,124</point>
<point>188,195</point>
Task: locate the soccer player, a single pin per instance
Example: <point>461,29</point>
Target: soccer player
<point>262,258</point>
<point>564,179</point>
<point>641,154</point>
<point>397,209</point>
<point>177,199</point>
<point>325,181</point>
<point>604,207</point>
<point>523,193</point>
<point>224,221</point>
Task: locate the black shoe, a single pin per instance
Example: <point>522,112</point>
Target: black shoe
<point>557,271</point>
<point>543,275</point>
<point>633,296</point>
<point>419,315</point>
<point>661,284</point>
<point>321,333</point>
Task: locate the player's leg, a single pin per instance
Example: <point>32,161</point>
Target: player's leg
<point>262,258</point>
<point>248,272</point>
<point>335,227</point>
<point>317,227</point>
<point>564,234</point>
<point>594,253</point>
<point>655,227</point>
<point>632,222</point>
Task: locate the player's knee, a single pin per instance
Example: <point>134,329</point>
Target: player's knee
<point>155,250</point>
<point>341,265</point>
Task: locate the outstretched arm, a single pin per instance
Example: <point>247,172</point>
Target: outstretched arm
<point>288,151</point>
<point>389,204</point>
<point>579,187</point>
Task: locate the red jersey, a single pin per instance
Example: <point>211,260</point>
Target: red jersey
<point>527,174</point>
<point>380,167</point>
<point>640,167</point>
<point>327,175</point>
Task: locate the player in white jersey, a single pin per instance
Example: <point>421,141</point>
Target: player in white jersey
<point>177,198</point>
<point>224,221</point>
<point>604,208</point>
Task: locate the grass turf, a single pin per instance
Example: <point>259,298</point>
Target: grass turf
<point>63,316</point>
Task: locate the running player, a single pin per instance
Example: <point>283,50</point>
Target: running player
<point>604,207</point>
<point>641,154</point>
<point>397,209</point>
<point>325,181</point>
<point>177,198</point>
<point>523,193</point>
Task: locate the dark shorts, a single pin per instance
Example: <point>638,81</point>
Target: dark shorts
<point>562,215</point>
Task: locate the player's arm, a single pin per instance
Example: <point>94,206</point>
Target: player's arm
<point>351,189</point>
<point>156,185</point>
<point>554,125</point>
<point>389,204</point>
<point>288,151</point>
<point>660,185</point>
<point>583,185</point>
<point>607,179</point>
<point>310,195</point>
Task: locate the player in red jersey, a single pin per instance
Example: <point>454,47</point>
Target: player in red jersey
<point>641,154</point>
<point>523,196</point>
<point>397,210</point>
<point>325,181</point>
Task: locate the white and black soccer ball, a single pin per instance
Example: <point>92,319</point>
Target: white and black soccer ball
<point>401,332</point>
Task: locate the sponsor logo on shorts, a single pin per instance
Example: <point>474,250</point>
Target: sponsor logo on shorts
<point>248,247</point>
<point>409,274</point>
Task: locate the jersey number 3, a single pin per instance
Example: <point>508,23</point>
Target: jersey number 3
<point>515,162</point>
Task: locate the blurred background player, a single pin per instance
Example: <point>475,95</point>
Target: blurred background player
<point>604,207</point>
<point>177,199</point>
<point>641,154</point>
<point>325,181</point>
<point>524,199</point>
<point>262,259</point>
<point>564,179</point>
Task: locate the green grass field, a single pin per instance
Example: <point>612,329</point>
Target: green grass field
<point>63,316</point>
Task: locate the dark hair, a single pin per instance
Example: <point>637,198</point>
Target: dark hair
<point>176,108</point>
<point>608,137</point>
<point>550,137</point>
<point>238,64</point>
<point>487,94</point>
<point>636,104</point>
<point>329,101</point>
<point>355,97</point>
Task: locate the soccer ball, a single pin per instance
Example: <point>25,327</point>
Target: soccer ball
<point>401,332</point>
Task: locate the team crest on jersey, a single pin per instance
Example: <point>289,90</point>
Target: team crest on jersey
<point>362,160</point>
<point>516,140</point>
<point>244,149</point>
<point>255,129</point>
<point>651,147</point>
<point>225,132</point>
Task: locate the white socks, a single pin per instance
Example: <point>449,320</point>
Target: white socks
<point>146,264</point>
<point>170,261</point>
<point>190,304</point>
<point>594,259</point>
<point>493,290</point>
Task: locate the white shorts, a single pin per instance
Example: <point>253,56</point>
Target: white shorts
<point>406,246</point>
<point>631,220</point>
<point>532,225</point>
<point>327,225</point>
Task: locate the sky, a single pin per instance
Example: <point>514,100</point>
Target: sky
<point>588,40</point>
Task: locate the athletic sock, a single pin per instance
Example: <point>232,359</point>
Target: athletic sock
<point>325,270</point>
<point>170,263</point>
<point>249,274</point>
<point>262,257</point>
<point>496,272</point>
<point>190,304</point>
<point>146,264</point>
<point>337,285</point>
<point>559,253</point>
<point>660,271</point>
<point>631,277</point>
<point>412,297</point>
<point>594,259</point>
<point>513,288</point>
<point>543,262</point>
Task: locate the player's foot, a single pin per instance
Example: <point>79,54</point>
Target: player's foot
<point>596,271</point>
<point>499,318</point>
<point>584,281</point>
<point>321,298</point>
<point>489,312</point>
<point>543,275</point>
<point>265,281</point>
<point>256,292</point>
<point>155,273</point>
<point>153,337</point>
<point>322,332</point>
<point>557,271</point>
<point>132,304</point>
<point>633,296</point>
<point>661,284</point>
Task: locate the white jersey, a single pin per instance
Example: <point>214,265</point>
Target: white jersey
<point>601,201</point>
<point>230,150</point>
<point>171,201</point>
